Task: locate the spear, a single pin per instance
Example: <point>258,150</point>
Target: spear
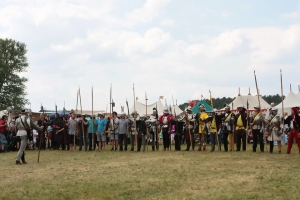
<point>157,137</point>
<point>176,125</point>
<point>232,126</point>
<point>110,112</point>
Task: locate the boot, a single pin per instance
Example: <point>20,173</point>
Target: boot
<point>199,149</point>
<point>18,163</point>
<point>23,162</point>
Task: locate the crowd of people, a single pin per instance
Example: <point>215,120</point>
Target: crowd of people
<point>122,131</point>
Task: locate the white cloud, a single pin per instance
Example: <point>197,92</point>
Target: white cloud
<point>167,22</point>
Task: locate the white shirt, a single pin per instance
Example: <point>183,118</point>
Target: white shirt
<point>22,132</point>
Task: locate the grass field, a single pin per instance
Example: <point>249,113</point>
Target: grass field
<point>151,175</point>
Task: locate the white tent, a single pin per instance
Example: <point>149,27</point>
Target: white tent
<point>252,101</point>
<point>141,108</point>
<point>291,100</point>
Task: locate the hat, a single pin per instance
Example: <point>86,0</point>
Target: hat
<point>227,106</point>
<point>214,110</point>
<point>142,116</point>
<point>296,110</point>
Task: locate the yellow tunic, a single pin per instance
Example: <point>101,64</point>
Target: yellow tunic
<point>203,116</point>
<point>213,126</point>
<point>240,125</point>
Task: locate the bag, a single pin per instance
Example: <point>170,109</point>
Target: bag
<point>28,131</point>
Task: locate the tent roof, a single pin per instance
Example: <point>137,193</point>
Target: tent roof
<point>252,101</point>
<point>141,108</point>
<point>196,107</point>
<point>291,100</point>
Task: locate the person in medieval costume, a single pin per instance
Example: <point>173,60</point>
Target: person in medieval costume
<point>240,127</point>
<point>273,129</point>
<point>190,128</point>
<point>24,124</point>
<point>215,123</point>
<point>133,124</point>
<point>57,128</point>
<point>152,125</point>
<point>141,133</point>
<point>256,123</point>
<point>227,128</point>
<point>294,122</point>
<point>165,125</point>
<point>201,118</point>
<point>179,131</point>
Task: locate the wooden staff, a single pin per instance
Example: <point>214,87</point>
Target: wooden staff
<point>257,91</point>
<point>135,120</point>
<point>93,139</point>
<point>282,110</point>
<point>146,119</point>
<point>82,128</point>
<point>42,108</point>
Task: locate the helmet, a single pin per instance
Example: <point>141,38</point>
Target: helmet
<point>166,110</point>
<point>189,108</point>
<point>215,110</point>
<point>142,116</point>
<point>227,106</point>
<point>241,106</point>
<point>257,107</point>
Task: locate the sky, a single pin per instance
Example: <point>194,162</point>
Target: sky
<point>165,47</point>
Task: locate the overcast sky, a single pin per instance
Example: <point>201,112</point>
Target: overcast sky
<point>164,47</point>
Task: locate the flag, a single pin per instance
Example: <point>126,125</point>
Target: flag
<point>161,97</point>
<point>211,100</point>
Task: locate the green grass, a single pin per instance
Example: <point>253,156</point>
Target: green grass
<point>151,175</point>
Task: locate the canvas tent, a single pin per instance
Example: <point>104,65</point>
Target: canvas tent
<point>196,107</point>
<point>252,101</point>
<point>291,100</point>
<point>141,108</point>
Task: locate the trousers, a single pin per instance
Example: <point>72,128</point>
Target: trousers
<point>240,137</point>
<point>293,134</point>
<point>257,135</point>
<point>21,152</point>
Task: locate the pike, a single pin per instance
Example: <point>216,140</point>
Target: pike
<point>217,134</point>
<point>110,111</point>
<point>76,126</point>
<point>282,110</point>
<point>232,126</point>
<point>170,129</point>
<point>146,119</point>
<point>93,135</point>
<point>247,128</point>
<point>157,139</point>
<point>82,128</point>
<point>257,90</point>
<point>176,123</point>
<point>113,124</point>
<point>42,108</point>
<point>135,119</point>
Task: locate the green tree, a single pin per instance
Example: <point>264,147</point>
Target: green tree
<point>13,61</point>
